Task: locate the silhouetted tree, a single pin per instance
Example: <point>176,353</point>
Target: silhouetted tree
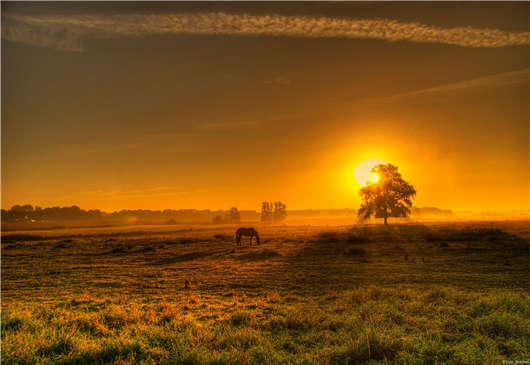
<point>280,211</point>
<point>273,212</point>
<point>266,212</point>
<point>217,219</point>
<point>389,197</point>
<point>232,216</point>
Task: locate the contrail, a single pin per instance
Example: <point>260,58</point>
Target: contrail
<point>66,32</point>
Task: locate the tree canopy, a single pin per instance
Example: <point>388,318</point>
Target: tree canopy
<point>390,196</point>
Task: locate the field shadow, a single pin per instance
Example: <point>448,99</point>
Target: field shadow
<point>264,254</point>
<point>407,254</point>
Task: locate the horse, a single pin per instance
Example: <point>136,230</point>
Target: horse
<point>250,231</point>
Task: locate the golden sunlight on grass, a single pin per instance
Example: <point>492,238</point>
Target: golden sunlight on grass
<point>363,172</point>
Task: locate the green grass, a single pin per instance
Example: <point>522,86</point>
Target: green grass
<point>305,296</point>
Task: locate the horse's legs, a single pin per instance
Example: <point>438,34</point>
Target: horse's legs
<point>250,240</point>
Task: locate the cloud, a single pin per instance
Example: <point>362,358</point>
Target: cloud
<point>53,35</point>
<point>496,80</point>
<point>67,32</point>
<point>519,77</point>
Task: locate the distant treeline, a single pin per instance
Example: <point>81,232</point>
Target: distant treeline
<point>28,213</point>
<point>73,214</point>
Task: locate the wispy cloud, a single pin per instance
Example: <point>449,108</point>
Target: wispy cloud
<point>67,32</point>
<point>496,80</point>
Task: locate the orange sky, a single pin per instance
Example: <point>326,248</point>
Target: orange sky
<point>112,118</point>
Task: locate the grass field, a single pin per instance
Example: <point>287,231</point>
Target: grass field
<point>451,293</point>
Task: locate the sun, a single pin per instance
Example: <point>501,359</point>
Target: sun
<point>363,173</point>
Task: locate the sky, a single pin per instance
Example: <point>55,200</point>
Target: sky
<point>211,105</point>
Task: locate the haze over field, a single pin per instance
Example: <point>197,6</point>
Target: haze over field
<point>152,106</point>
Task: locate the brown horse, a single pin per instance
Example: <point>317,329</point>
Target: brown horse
<point>250,231</point>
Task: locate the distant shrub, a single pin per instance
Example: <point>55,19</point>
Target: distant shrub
<point>222,237</point>
<point>356,238</point>
<point>352,251</point>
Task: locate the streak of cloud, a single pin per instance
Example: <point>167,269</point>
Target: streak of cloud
<point>67,32</point>
<point>496,80</point>
<point>518,77</point>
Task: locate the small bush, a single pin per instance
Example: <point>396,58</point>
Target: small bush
<point>352,251</point>
<point>357,238</point>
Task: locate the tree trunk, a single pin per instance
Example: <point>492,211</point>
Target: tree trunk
<point>386,220</point>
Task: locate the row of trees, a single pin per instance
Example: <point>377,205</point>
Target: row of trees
<point>273,212</point>
<point>270,212</point>
<point>28,213</point>
<point>230,216</point>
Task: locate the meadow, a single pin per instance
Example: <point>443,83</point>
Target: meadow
<point>436,293</point>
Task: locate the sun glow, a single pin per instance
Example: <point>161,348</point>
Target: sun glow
<point>363,173</point>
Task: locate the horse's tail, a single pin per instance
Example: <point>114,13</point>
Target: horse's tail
<point>257,237</point>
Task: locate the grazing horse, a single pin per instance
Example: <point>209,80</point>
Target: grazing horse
<point>241,232</point>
